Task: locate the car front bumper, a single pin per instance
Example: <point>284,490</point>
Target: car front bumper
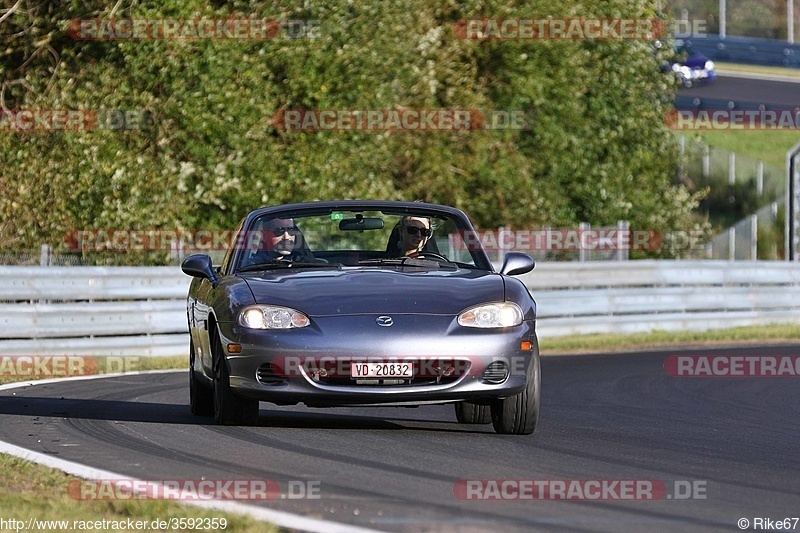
<point>451,362</point>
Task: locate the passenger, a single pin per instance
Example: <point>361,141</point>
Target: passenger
<point>414,233</point>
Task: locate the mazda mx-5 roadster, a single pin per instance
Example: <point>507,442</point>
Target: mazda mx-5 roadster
<point>362,303</point>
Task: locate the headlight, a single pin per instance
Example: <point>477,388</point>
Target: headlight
<point>709,65</point>
<point>268,317</point>
<point>499,315</point>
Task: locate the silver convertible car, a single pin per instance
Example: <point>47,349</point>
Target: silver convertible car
<point>362,303</point>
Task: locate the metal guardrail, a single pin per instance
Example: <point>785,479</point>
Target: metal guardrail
<point>141,311</point>
<point>748,50</point>
<point>93,311</point>
<point>641,296</point>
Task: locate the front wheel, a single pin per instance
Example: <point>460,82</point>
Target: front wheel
<point>230,409</point>
<point>472,413</point>
<point>519,414</point>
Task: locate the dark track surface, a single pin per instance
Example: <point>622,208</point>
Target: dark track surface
<point>780,93</point>
<point>603,417</point>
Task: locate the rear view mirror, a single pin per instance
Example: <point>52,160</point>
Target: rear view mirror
<point>360,223</point>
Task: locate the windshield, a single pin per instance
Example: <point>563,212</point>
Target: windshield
<point>358,238</point>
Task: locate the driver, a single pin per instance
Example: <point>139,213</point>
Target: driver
<point>281,241</point>
<point>414,234</point>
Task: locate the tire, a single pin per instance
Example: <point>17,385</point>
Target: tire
<point>201,397</point>
<point>472,413</point>
<point>230,409</point>
<point>519,414</point>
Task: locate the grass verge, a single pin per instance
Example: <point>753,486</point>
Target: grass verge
<point>33,492</point>
<point>774,333</point>
<point>757,69</point>
<point>770,146</point>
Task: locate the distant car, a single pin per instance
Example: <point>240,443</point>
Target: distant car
<point>344,319</point>
<point>694,67</point>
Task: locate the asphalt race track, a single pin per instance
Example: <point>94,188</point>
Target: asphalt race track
<point>604,417</point>
<point>759,91</point>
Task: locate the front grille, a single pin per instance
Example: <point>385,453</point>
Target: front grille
<point>496,372</point>
<point>267,375</point>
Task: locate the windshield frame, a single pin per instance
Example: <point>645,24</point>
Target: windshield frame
<point>479,256</point>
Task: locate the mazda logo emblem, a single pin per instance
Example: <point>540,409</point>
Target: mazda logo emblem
<point>385,321</point>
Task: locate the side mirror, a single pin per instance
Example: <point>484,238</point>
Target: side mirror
<point>517,263</point>
<point>199,266</point>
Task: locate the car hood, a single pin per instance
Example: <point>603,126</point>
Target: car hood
<point>376,291</point>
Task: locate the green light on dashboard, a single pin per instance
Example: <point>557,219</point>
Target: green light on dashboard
<point>337,216</point>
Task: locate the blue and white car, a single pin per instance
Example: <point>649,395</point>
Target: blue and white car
<point>694,68</point>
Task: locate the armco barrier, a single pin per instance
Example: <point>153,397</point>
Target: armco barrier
<point>640,296</point>
<point>749,50</point>
<point>141,310</point>
<point>93,311</point>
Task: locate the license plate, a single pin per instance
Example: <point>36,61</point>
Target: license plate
<point>381,370</point>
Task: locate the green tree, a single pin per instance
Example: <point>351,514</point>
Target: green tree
<point>598,150</point>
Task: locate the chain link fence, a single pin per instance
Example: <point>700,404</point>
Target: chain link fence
<point>746,197</point>
<point>718,167</point>
<point>759,236</point>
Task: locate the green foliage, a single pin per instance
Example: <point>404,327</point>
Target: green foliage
<point>598,150</point>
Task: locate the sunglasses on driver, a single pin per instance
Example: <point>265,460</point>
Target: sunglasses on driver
<point>291,230</point>
<point>413,230</point>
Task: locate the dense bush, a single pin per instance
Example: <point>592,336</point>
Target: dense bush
<point>598,150</point>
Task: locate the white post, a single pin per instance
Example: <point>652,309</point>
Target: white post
<point>501,251</point>
<point>732,168</point>
<point>790,21</point>
<point>722,19</point>
<point>46,256</point>
<point>706,161</point>
<point>176,249</point>
<point>731,243</point>
<point>774,252</point>
<point>583,253</point>
<point>623,241</point>
<point>754,237</point>
<point>760,178</point>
